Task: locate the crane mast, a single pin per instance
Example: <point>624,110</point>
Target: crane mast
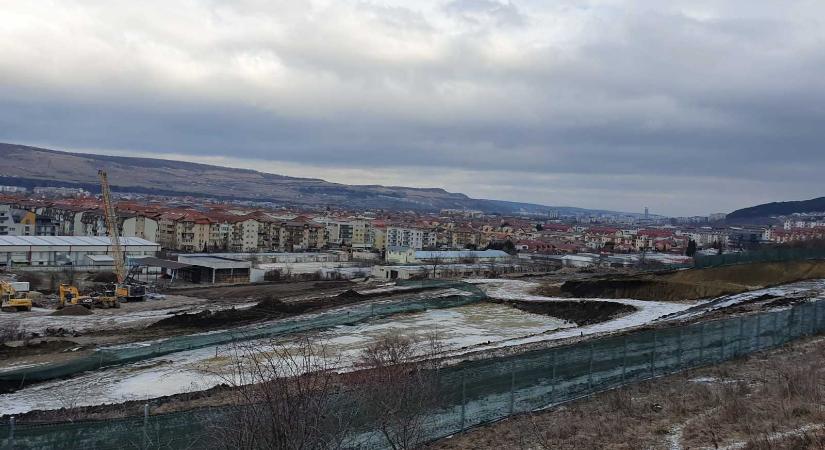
<point>112,228</point>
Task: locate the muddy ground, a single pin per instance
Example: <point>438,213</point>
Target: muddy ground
<point>767,400</point>
<point>270,307</point>
<point>580,312</point>
<point>57,338</point>
<point>693,283</point>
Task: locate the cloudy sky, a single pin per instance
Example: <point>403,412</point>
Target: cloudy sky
<point>685,106</point>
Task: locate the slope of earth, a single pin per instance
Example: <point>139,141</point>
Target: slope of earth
<point>779,208</point>
<point>694,283</point>
<point>31,166</point>
<point>765,401</point>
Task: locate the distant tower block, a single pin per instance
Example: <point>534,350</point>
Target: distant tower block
<point>647,212</point>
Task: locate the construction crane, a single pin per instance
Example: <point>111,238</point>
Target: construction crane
<point>125,288</point>
<point>12,300</point>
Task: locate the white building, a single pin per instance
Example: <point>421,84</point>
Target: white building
<point>67,250</point>
<point>13,189</point>
<point>16,222</point>
<point>414,238</point>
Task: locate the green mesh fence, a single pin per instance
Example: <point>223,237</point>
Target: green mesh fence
<point>767,255</point>
<point>478,392</point>
<point>110,356</point>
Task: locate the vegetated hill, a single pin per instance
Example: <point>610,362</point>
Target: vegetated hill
<point>31,166</point>
<point>779,209</point>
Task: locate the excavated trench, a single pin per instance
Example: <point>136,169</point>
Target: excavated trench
<point>580,312</point>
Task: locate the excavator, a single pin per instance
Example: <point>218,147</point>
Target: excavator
<point>13,301</point>
<point>69,295</point>
<point>126,288</point>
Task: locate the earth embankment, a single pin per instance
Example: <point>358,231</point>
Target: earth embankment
<point>694,284</point>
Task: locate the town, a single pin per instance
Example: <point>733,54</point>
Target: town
<point>340,244</point>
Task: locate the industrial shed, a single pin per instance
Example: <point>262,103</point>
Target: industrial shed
<point>68,250</point>
<point>213,269</point>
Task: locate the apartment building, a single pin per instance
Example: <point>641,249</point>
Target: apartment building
<point>17,222</point>
<point>415,238</point>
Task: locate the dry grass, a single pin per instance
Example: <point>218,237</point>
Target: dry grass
<point>749,402</point>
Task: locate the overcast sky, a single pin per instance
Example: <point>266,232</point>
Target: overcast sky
<point>688,107</point>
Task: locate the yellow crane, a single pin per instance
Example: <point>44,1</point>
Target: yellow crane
<point>12,300</point>
<point>125,288</point>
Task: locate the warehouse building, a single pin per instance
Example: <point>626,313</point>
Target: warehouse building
<point>68,250</point>
<point>213,269</point>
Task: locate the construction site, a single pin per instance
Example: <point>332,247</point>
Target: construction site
<point>115,358</point>
<point>520,343</point>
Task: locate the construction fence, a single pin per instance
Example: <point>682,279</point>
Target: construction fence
<point>482,391</point>
<point>757,256</point>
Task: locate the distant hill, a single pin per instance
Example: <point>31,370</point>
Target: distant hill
<point>31,166</point>
<point>779,209</point>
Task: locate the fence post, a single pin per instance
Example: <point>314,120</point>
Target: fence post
<point>145,424</point>
<point>790,324</point>
<point>590,368</point>
<point>553,378</point>
<point>653,355</point>
<point>758,330</point>
<point>739,341</point>
<point>776,327</point>
<point>11,432</point>
<point>722,342</point>
<point>624,357</point>
<point>512,387</point>
<point>463,399</point>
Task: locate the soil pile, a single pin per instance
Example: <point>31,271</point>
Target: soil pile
<point>73,310</point>
<point>271,308</point>
<point>695,283</point>
<point>580,312</point>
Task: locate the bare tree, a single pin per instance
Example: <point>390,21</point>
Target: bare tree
<point>283,398</point>
<point>400,387</point>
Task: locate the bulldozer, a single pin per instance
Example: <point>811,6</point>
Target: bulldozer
<point>70,295</point>
<point>13,301</point>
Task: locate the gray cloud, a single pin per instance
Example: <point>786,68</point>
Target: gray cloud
<point>687,107</point>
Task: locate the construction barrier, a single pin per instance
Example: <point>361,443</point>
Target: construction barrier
<point>757,256</point>
<point>483,391</point>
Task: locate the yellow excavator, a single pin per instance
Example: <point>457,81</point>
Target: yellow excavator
<point>70,295</point>
<point>13,301</point>
<point>125,288</point>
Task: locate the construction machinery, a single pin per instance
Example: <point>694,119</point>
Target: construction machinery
<point>70,295</point>
<point>12,300</point>
<point>126,288</point>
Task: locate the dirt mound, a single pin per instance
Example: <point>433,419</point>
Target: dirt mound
<point>73,310</point>
<point>271,307</point>
<point>580,312</point>
<point>695,283</point>
<point>349,293</point>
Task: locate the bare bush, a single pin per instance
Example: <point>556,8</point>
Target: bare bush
<point>284,398</point>
<point>399,386</point>
<point>11,331</point>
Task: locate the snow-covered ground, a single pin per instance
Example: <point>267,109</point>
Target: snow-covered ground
<point>459,329</point>
<point>40,319</point>
<point>811,288</point>
<point>646,311</point>
<point>470,328</point>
